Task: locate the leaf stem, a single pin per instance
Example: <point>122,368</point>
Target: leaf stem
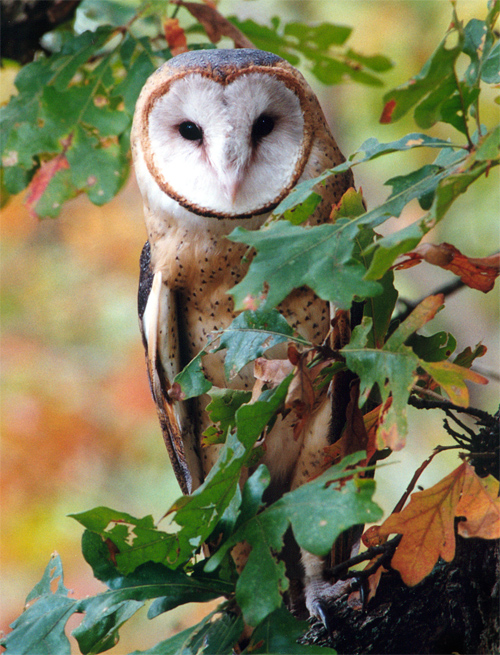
<point>464,112</point>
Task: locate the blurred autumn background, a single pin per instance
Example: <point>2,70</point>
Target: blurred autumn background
<point>78,426</point>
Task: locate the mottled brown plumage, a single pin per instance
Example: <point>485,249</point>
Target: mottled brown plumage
<point>191,265</point>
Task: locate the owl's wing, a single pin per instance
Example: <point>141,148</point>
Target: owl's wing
<point>159,328</point>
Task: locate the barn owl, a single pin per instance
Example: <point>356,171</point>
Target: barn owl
<point>219,138</point>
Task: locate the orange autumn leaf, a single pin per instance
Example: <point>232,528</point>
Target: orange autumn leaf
<point>175,36</point>
<point>480,505</point>
<point>477,273</point>
<point>41,180</point>
<point>427,523</point>
<point>427,526</point>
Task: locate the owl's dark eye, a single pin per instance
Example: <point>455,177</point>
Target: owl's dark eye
<point>262,126</point>
<point>190,131</point>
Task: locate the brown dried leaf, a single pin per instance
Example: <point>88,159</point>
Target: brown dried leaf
<point>269,371</point>
<point>477,273</point>
<point>372,537</point>
<point>215,24</point>
<point>175,36</point>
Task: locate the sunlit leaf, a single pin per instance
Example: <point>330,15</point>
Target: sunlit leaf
<point>427,523</point>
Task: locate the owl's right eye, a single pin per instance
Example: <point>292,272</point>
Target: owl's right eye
<point>190,131</point>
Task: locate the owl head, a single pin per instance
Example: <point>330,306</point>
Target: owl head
<point>224,133</point>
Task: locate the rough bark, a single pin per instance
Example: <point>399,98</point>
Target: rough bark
<point>454,610</point>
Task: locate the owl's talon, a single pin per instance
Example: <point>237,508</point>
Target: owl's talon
<point>320,594</point>
<point>319,609</point>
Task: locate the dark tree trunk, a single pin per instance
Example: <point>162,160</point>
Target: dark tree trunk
<point>454,610</point>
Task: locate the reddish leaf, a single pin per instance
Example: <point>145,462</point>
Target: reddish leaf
<point>387,111</point>
<point>175,36</point>
<point>41,180</point>
<point>479,273</point>
<point>427,523</point>
<point>216,26</point>
<point>371,537</point>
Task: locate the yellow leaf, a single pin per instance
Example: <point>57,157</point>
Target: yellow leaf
<point>451,378</point>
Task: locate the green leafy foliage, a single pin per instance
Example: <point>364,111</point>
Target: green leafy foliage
<point>66,132</point>
<point>290,256</point>
<point>48,607</point>
<point>278,633</point>
<point>322,46</point>
<point>249,335</point>
<point>317,512</point>
<point>63,110</point>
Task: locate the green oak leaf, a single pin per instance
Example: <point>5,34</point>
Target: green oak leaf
<point>250,334</point>
<point>216,634</point>
<point>290,256</point>
<point>317,512</point>
<point>393,369</point>
<point>137,540</point>
<point>223,407</point>
<point>277,634</point>
<point>437,70</point>
<point>434,348</point>
<point>199,513</point>
<point>39,630</point>
<point>191,379</point>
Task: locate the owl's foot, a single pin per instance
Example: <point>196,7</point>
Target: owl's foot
<point>320,594</point>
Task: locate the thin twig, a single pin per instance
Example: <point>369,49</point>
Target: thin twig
<point>368,554</point>
<point>402,501</point>
<point>464,427</point>
<point>435,401</point>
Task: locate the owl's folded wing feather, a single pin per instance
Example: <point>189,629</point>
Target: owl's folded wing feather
<point>159,329</point>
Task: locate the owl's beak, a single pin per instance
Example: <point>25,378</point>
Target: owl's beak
<point>231,183</point>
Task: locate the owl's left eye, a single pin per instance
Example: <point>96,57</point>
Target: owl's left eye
<point>263,125</point>
<point>190,131</point>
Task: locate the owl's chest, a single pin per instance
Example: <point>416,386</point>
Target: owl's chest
<point>202,267</point>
